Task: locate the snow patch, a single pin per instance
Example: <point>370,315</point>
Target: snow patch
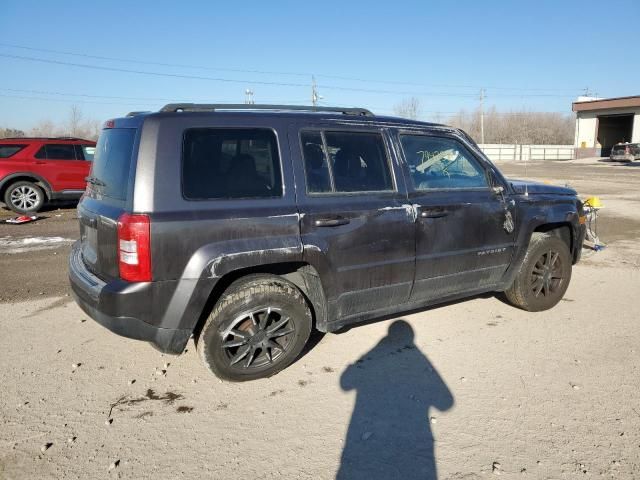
<point>12,245</point>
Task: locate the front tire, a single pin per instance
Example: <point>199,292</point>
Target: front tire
<point>544,274</point>
<point>24,197</point>
<point>258,327</point>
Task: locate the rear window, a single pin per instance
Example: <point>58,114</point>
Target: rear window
<point>220,163</point>
<point>112,162</point>
<point>359,162</point>
<point>345,162</point>
<point>7,150</point>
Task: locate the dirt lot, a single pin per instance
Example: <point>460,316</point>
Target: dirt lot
<point>478,388</point>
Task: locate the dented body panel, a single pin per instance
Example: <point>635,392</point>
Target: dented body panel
<point>355,256</point>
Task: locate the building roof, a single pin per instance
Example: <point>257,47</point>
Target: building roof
<point>606,103</point>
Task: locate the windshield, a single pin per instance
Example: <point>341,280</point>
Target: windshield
<point>112,162</point>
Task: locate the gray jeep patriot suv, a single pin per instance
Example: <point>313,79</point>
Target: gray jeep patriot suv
<point>248,226</point>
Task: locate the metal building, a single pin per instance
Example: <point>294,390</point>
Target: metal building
<point>601,123</point>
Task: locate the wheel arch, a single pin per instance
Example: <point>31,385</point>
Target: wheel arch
<point>561,230</point>
<point>9,180</point>
<point>301,274</point>
<point>560,219</point>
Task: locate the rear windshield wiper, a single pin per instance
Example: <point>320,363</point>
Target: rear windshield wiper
<point>95,181</point>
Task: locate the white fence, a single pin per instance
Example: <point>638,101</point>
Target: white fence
<point>511,152</point>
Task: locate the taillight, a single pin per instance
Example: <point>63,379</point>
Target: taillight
<point>134,247</point>
<point>626,150</point>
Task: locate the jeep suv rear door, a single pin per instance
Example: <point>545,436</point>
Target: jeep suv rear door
<point>462,244</point>
<point>355,226</point>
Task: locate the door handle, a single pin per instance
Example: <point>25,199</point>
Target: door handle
<point>39,162</point>
<point>433,213</point>
<point>330,222</point>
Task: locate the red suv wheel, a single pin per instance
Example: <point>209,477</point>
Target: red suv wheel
<point>24,197</point>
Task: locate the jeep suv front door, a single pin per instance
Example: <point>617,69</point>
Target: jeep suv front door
<point>462,241</point>
<point>356,227</point>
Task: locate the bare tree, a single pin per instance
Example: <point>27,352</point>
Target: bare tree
<point>93,128</point>
<point>408,108</point>
<point>74,124</point>
<point>521,127</point>
<point>11,133</point>
<point>437,117</point>
<point>44,128</point>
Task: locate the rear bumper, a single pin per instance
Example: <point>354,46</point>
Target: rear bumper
<point>120,306</point>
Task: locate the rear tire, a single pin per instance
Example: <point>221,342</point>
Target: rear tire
<point>544,275</point>
<point>258,327</point>
<point>24,197</point>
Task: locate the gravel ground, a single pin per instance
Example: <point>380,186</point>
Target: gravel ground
<point>474,389</point>
<point>40,269</point>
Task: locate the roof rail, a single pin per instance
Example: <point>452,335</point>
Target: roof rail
<point>140,112</point>
<point>212,107</point>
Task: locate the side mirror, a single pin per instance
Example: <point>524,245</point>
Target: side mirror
<point>497,190</point>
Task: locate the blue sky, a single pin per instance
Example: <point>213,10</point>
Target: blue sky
<point>537,55</point>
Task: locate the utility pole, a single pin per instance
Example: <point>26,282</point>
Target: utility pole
<point>315,96</point>
<point>482,95</point>
<point>248,97</point>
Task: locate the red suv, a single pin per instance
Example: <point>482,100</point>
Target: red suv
<point>36,170</point>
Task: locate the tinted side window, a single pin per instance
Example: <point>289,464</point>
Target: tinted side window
<point>359,162</point>
<point>441,163</point>
<point>316,166</point>
<point>230,163</point>
<point>59,152</point>
<point>7,150</point>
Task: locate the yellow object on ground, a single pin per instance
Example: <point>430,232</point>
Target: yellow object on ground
<point>593,202</point>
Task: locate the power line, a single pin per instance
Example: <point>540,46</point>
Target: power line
<point>149,101</point>
<point>215,79</point>
<point>146,62</point>
<point>261,82</point>
<point>28,97</point>
<point>145,101</point>
<point>146,72</point>
<point>48,92</point>
<point>270,72</point>
<point>373,108</point>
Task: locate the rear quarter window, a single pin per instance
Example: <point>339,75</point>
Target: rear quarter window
<point>226,163</point>
<point>85,152</point>
<point>7,151</point>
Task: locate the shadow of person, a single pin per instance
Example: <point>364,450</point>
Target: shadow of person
<point>389,434</point>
